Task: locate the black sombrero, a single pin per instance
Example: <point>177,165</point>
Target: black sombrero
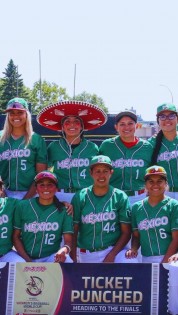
<point>91,115</point>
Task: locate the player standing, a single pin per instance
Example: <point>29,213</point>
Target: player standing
<point>165,145</point>
<point>101,218</point>
<point>155,220</point>
<point>130,156</point>
<point>70,156</point>
<point>22,152</point>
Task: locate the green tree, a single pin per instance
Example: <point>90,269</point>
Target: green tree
<point>12,85</point>
<point>46,93</point>
<point>93,99</point>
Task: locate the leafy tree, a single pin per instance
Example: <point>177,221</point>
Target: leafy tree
<point>93,99</point>
<point>12,85</point>
<point>46,93</point>
<point>1,83</point>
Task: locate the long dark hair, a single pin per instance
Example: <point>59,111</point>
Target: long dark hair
<point>59,205</point>
<point>157,148</point>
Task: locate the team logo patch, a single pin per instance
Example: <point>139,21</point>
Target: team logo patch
<point>165,107</point>
<point>100,159</point>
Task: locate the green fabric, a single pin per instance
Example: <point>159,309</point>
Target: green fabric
<point>72,171</point>
<point>129,164</point>
<point>155,225</point>
<point>7,208</point>
<point>18,161</point>
<point>166,106</point>
<point>41,226</point>
<point>99,217</point>
<point>18,100</point>
<point>168,158</point>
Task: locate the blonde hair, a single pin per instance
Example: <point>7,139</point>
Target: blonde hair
<point>7,129</point>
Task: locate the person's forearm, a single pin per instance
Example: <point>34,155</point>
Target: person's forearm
<point>21,250</point>
<point>172,249</point>
<point>122,241</point>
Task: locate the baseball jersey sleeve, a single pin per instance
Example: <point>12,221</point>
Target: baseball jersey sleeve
<point>38,143</point>
<point>76,202</point>
<point>133,217</point>
<point>124,207</point>
<point>174,215</point>
<point>17,214</point>
<point>67,223</point>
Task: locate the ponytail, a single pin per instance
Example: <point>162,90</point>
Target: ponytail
<point>58,203</point>
<point>157,148</point>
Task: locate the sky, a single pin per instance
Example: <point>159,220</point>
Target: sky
<point>125,51</point>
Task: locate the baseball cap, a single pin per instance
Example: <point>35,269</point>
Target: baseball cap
<point>166,106</point>
<point>17,103</point>
<point>155,170</point>
<point>128,113</point>
<point>44,175</point>
<point>101,159</point>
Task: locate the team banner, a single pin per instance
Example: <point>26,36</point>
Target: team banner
<point>66,289</point>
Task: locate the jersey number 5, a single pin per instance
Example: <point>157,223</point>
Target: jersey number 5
<point>23,165</point>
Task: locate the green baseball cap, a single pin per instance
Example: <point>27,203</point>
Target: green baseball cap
<point>166,106</point>
<point>155,170</point>
<point>17,103</point>
<point>101,159</point>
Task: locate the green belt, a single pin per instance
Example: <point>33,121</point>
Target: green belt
<point>173,189</point>
<point>134,193</point>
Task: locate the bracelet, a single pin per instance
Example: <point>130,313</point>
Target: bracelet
<point>68,247</point>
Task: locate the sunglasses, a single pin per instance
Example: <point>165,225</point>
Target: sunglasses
<point>155,170</point>
<point>15,106</point>
<point>169,117</point>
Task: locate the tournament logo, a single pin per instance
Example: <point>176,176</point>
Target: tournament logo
<point>35,286</point>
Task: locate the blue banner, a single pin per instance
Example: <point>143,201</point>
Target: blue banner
<point>66,289</point>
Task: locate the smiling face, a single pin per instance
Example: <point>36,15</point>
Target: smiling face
<point>101,175</point>
<point>46,188</point>
<point>17,118</point>
<point>72,127</point>
<point>169,123</point>
<point>126,128</point>
<point>155,185</point>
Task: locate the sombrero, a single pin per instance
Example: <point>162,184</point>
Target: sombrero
<point>91,115</point>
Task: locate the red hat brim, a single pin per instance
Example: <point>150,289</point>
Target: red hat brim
<point>91,115</point>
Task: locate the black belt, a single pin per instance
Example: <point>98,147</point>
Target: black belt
<point>134,193</point>
<point>68,190</point>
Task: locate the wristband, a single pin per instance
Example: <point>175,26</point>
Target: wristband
<point>68,247</point>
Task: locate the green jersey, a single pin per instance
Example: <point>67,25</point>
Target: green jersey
<point>168,158</point>
<point>155,225</point>
<point>129,164</point>
<point>41,226</point>
<point>99,217</point>
<point>72,165</point>
<point>7,208</point>
<point>18,161</point>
